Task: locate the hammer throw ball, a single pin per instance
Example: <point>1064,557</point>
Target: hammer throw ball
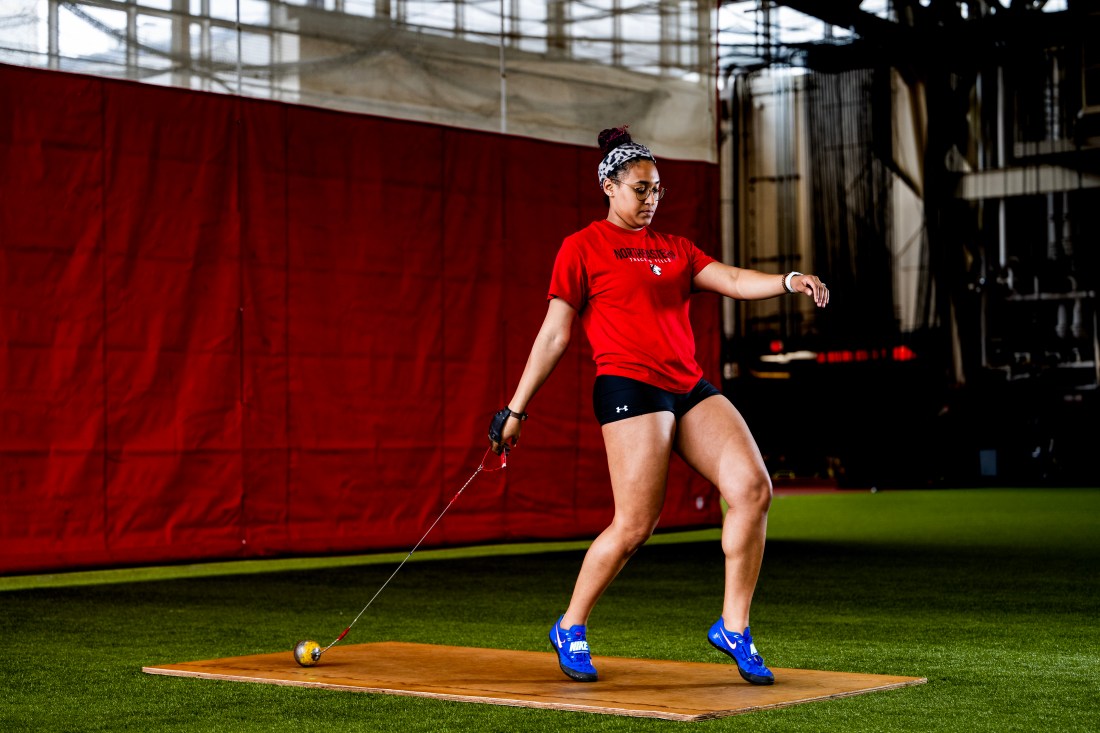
<point>307,652</point>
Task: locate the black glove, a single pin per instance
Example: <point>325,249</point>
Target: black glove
<point>496,427</point>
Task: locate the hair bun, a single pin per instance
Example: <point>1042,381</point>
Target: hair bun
<point>612,138</point>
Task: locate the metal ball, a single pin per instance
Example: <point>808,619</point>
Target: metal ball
<point>307,652</point>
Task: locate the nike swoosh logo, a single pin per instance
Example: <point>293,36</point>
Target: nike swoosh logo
<point>557,636</point>
<point>733,644</point>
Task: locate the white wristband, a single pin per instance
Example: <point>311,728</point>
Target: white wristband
<point>787,280</point>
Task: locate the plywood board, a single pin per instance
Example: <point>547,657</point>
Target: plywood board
<point>636,687</point>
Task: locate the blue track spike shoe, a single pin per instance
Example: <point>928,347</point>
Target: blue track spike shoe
<point>741,649</point>
<point>573,655</point>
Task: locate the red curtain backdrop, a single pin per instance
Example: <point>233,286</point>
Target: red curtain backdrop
<point>234,328</point>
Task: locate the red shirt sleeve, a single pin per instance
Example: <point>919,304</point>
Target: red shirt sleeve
<point>698,258</point>
<point>568,280</point>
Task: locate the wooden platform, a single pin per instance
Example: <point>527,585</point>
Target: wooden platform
<point>636,687</point>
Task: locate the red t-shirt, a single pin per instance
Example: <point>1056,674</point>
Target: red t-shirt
<point>632,291</point>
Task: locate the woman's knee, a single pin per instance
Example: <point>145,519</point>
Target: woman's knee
<point>750,492</point>
<point>633,533</point>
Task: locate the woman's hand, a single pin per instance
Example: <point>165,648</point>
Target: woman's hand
<point>812,286</point>
<point>505,429</point>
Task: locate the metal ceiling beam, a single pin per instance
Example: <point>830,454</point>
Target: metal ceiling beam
<point>940,33</point>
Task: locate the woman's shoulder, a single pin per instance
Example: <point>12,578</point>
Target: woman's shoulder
<point>588,231</point>
<point>583,237</point>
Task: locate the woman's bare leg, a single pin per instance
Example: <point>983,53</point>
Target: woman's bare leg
<point>638,451</point>
<point>714,440</point>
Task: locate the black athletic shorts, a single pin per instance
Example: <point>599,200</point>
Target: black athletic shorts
<point>617,398</point>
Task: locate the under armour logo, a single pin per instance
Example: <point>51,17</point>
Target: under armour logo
<point>624,408</point>
<point>656,270</point>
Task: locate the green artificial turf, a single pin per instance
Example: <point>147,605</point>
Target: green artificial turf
<point>993,595</point>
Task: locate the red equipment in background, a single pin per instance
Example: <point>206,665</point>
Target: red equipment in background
<point>237,328</point>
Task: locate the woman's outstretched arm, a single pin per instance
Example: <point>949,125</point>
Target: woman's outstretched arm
<point>744,284</point>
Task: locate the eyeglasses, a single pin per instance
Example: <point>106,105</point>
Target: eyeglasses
<point>642,191</point>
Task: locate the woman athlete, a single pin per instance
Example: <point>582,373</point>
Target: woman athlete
<point>630,287</point>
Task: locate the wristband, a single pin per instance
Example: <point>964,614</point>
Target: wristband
<point>787,280</point>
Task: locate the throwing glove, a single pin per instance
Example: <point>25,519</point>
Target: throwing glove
<point>496,427</point>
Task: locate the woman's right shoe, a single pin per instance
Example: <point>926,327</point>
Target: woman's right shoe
<point>573,656</point>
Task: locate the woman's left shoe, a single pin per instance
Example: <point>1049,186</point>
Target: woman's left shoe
<point>741,649</point>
